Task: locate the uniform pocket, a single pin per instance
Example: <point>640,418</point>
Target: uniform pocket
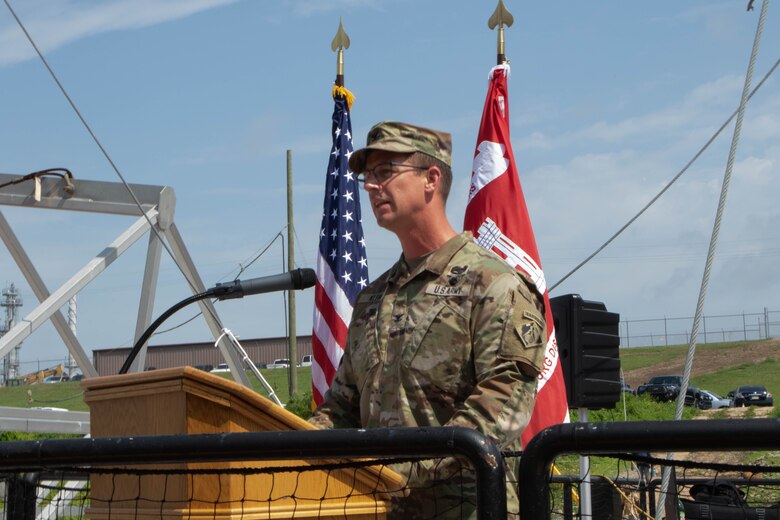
<point>439,346</point>
<point>364,348</point>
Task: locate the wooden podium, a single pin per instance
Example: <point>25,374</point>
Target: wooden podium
<point>189,401</point>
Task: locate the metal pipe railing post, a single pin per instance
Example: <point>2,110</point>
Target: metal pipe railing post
<point>484,456</point>
<point>614,438</point>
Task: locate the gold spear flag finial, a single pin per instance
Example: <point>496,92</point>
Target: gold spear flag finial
<point>500,17</point>
<point>339,43</point>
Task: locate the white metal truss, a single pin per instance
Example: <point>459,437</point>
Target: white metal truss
<point>158,203</point>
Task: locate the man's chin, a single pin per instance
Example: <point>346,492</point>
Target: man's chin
<point>386,224</point>
<point>382,220</point>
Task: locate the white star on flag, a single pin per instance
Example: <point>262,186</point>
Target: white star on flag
<point>335,293</point>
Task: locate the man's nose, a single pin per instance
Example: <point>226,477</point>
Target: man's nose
<point>372,185</point>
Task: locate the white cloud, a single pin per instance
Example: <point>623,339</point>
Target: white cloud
<point>717,18</point>
<point>53,24</point>
<point>705,106</point>
<point>578,199</point>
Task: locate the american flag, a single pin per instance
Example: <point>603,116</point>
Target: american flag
<point>342,270</point>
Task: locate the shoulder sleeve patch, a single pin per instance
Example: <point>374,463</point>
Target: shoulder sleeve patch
<point>531,330</point>
<point>526,344</point>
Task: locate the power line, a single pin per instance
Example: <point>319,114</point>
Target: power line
<point>669,185</point>
<point>103,151</point>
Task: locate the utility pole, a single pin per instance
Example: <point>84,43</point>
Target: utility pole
<point>291,333</point>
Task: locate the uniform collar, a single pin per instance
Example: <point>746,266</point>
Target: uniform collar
<point>435,261</point>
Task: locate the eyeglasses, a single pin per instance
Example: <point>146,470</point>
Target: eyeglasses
<point>383,172</point>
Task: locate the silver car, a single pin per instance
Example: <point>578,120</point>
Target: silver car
<point>718,401</point>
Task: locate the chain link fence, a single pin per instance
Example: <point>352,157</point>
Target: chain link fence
<point>718,328</point>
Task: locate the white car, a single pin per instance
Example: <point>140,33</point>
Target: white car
<point>53,379</point>
<point>306,361</point>
<point>220,369</point>
<point>279,363</point>
<point>718,401</point>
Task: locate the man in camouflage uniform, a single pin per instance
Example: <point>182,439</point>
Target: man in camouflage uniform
<point>449,336</point>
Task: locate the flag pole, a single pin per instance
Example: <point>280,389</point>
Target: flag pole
<point>342,270</point>
<point>500,17</point>
<point>518,246</point>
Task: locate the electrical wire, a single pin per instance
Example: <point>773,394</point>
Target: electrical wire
<point>300,249</point>
<point>62,173</point>
<point>666,477</point>
<point>107,156</point>
<point>257,256</point>
<point>132,194</point>
<point>241,268</point>
<point>668,185</point>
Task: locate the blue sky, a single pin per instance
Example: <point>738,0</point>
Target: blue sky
<point>608,100</point>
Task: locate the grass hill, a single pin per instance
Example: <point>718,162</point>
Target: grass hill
<point>717,367</point>
<point>70,395</point>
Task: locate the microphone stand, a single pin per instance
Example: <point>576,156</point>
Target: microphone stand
<point>268,388</point>
<point>292,280</point>
<point>159,321</point>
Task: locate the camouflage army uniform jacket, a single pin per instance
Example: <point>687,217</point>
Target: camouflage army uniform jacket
<point>456,341</point>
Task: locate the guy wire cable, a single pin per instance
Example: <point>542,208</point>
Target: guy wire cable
<point>668,185</point>
<point>666,476</point>
<point>107,156</point>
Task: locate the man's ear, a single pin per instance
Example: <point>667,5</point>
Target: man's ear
<point>432,179</point>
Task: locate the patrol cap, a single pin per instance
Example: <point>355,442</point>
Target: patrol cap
<point>394,136</point>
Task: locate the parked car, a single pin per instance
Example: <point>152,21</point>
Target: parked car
<point>53,379</point>
<point>279,363</point>
<point>717,401</point>
<point>220,369</point>
<point>306,361</point>
<point>77,377</point>
<point>661,388</point>
<point>751,395</point>
<point>694,397</point>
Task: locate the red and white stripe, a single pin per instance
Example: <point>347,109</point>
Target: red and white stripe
<point>332,312</point>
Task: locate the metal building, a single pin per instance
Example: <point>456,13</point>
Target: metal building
<point>202,355</point>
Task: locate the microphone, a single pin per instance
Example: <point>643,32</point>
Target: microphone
<point>292,280</point>
<point>297,279</point>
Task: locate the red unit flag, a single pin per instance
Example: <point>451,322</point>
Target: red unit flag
<point>498,216</point>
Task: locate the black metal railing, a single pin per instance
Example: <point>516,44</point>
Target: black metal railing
<point>485,458</point>
<point>617,437</point>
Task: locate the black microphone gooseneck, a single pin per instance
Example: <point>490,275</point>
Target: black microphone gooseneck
<point>292,280</point>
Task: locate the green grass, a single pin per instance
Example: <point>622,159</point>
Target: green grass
<point>636,408</point>
<point>69,395</point>
<point>640,357</point>
<point>722,382</point>
<point>277,380</point>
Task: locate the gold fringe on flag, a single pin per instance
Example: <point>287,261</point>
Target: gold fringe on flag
<point>346,94</point>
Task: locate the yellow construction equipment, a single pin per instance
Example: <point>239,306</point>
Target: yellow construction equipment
<point>37,377</point>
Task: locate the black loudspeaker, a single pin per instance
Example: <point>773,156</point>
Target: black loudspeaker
<point>588,345</point>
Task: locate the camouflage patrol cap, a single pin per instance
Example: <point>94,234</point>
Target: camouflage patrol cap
<point>393,136</point>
